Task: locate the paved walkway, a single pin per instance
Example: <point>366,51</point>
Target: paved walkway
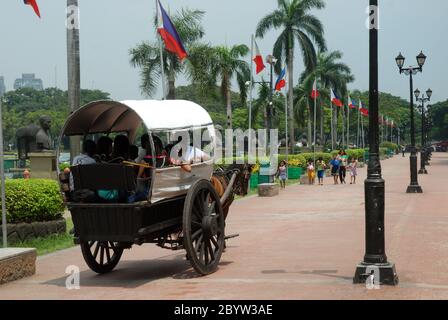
<point>304,244</point>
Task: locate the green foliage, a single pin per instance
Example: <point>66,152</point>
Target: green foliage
<point>33,200</point>
<point>25,106</point>
<point>389,145</point>
<point>310,156</point>
<point>294,160</point>
<point>50,243</point>
<point>439,119</point>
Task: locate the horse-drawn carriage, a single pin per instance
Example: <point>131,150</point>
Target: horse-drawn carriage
<point>186,202</point>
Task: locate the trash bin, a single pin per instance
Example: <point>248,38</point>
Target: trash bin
<point>262,177</point>
<point>294,173</point>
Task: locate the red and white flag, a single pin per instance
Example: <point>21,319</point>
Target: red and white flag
<point>315,92</point>
<point>33,4</point>
<point>258,59</point>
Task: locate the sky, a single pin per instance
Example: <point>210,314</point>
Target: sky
<point>109,28</point>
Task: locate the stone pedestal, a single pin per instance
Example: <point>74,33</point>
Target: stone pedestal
<point>268,190</point>
<point>43,165</point>
<point>16,263</point>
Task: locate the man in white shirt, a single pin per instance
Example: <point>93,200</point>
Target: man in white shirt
<point>86,157</point>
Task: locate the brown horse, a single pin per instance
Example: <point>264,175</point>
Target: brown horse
<point>221,178</point>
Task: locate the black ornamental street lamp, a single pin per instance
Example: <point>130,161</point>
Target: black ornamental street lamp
<point>410,71</point>
<point>423,99</point>
<point>375,260</point>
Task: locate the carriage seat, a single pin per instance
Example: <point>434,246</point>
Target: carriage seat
<point>102,176</point>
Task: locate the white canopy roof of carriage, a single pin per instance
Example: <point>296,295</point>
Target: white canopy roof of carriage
<point>113,116</point>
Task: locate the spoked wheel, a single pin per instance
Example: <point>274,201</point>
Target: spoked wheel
<point>203,227</point>
<point>101,256</point>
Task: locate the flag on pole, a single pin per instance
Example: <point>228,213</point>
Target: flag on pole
<point>33,4</point>
<point>315,92</point>
<point>364,111</point>
<point>280,83</point>
<point>169,34</point>
<point>258,59</point>
<point>351,104</point>
<point>335,99</point>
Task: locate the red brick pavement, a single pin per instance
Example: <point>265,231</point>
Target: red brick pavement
<point>304,244</point>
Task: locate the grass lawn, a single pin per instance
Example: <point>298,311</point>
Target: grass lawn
<point>49,244</point>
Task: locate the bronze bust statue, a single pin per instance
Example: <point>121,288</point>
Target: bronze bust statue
<point>34,138</point>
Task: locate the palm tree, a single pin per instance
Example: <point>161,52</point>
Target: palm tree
<point>222,64</point>
<point>297,25</point>
<point>332,74</point>
<point>262,102</point>
<point>146,56</point>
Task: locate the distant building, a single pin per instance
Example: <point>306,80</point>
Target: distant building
<point>28,80</point>
<point>2,86</point>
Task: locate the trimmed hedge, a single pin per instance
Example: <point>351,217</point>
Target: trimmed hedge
<point>389,145</point>
<point>30,200</point>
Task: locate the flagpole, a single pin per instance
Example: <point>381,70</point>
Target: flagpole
<point>358,140</point>
<point>362,132</point>
<point>250,89</point>
<point>332,124</point>
<point>286,127</point>
<point>2,173</point>
<point>162,66</point>
<point>343,126</point>
<point>348,126</point>
<point>315,119</point>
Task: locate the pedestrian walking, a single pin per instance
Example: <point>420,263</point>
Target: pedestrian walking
<point>343,158</point>
<point>403,150</point>
<point>335,163</point>
<point>282,174</point>
<point>353,171</point>
<point>321,166</point>
<point>311,172</point>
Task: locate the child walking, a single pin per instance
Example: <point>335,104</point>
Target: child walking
<point>353,171</point>
<point>320,165</point>
<point>335,163</point>
<point>282,174</point>
<point>311,172</point>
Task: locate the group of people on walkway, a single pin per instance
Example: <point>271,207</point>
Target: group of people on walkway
<point>338,165</point>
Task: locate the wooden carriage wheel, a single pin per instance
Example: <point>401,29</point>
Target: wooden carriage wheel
<point>203,227</point>
<point>101,256</point>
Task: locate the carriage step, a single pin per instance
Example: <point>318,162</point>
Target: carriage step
<point>231,236</point>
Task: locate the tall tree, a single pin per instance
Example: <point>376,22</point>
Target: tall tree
<point>146,56</point>
<point>222,64</point>
<point>299,26</point>
<point>333,74</point>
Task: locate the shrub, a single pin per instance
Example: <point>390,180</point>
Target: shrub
<point>389,145</point>
<point>29,200</point>
<point>310,156</point>
<point>63,166</point>
<point>294,160</point>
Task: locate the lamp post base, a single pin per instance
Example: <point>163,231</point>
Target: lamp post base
<point>423,171</point>
<point>414,189</point>
<point>385,271</point>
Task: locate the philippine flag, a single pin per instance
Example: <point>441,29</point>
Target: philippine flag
<point>258,59</point>
<point>168,32</point>
<point>280,83</point>
<point>315,92</point>
<point>33,4</point>
<point>351,104</point>
<point>363,110</point>
<point>335,100</point>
